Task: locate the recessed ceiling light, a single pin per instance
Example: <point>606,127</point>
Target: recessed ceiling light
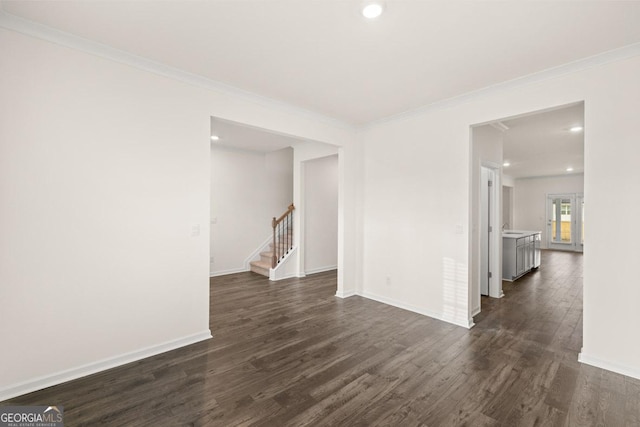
<point>506,164</point>
<point>372,10</point>
<point>569,169</point>
<point>576,129</point>
<point>215,137</point>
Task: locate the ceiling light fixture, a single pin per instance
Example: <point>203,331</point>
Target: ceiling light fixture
<point>569,169</point>
<point>576,129</point>
<point>372,10</point>
<point>215,137</point>
<point>506,164</point>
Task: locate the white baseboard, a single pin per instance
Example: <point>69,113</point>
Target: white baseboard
<point>101,365</point>
<point>286,276</point>
<point>225,272</point>
<point>321,269</point>
<point>629,371</point>
<point>464,322</point>
<point>346,294</point>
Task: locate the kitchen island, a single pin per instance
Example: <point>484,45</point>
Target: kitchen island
<point>520,253</point>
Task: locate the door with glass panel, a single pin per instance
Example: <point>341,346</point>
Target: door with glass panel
<point>580,222</point>
<point>565,222</point>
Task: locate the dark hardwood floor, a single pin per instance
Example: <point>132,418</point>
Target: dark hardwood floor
<point>291,353</point>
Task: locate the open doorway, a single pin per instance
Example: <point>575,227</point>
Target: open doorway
<point>541,167</point>
<point>321,214</point>
<point>256,175</point>
<point>251,182</point>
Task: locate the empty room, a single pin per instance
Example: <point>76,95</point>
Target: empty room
<point>297,213</point>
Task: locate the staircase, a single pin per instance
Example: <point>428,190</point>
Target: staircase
<point>266,258</point>
<point>280,246</point>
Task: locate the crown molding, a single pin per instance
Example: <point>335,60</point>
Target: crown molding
<point>566,175</point>
<point>603,58</point>
<point>33,29</point>
<point>50,34</point>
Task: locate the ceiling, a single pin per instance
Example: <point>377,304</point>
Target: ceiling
<point>323,56</point>
<point>242,137</point>
<point>541,144</point>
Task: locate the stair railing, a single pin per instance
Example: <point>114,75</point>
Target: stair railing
<point>282,236</point>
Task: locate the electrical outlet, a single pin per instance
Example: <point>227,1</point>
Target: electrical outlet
<point>388,280</point>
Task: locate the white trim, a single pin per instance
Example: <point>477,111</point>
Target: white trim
<point>286,276</point>
<point>231,271</point>
<point>630,371</point>
<point>321,269</point>
<point>53,35</point>
<point>42,382</point>
<point>599,59</point>
<point>346,294</point>
<point>256,254</point>
<point>464,322</point>
<point>281,264</point>
<point>495,257</point>
<point>33,29</point>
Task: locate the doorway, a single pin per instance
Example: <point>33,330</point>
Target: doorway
<point>565,222</point>
<point>524,150</point>
<point>320,219</point>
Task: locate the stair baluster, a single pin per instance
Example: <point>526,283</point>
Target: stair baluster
<point>282,238</point>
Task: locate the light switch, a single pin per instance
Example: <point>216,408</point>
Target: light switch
<point>195,230</point>
<point>459,229</point>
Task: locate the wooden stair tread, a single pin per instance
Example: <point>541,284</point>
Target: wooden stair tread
<point>261,264</point>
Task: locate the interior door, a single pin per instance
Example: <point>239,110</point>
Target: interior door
<point>565,222</point>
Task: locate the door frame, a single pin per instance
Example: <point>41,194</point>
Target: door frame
<point>494,242</point>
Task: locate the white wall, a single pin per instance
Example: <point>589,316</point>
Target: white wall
<point>507,180</point>
<point>350,217</point>
<point>321,214</point>
<point>421,186</point>
<point>506,221</point>
<point>104,171</point>
<point>303,153</point>
<point>530,200</point>
<point>248,189</point>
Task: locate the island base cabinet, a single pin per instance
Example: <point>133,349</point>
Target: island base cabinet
<point>521,254</point>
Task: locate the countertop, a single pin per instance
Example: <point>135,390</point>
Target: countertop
<point>516,234</point>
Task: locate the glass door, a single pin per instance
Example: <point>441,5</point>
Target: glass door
<point>565,222</point>
<point>580,222</point>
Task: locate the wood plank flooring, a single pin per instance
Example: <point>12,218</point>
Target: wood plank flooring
<point>290,353</point>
